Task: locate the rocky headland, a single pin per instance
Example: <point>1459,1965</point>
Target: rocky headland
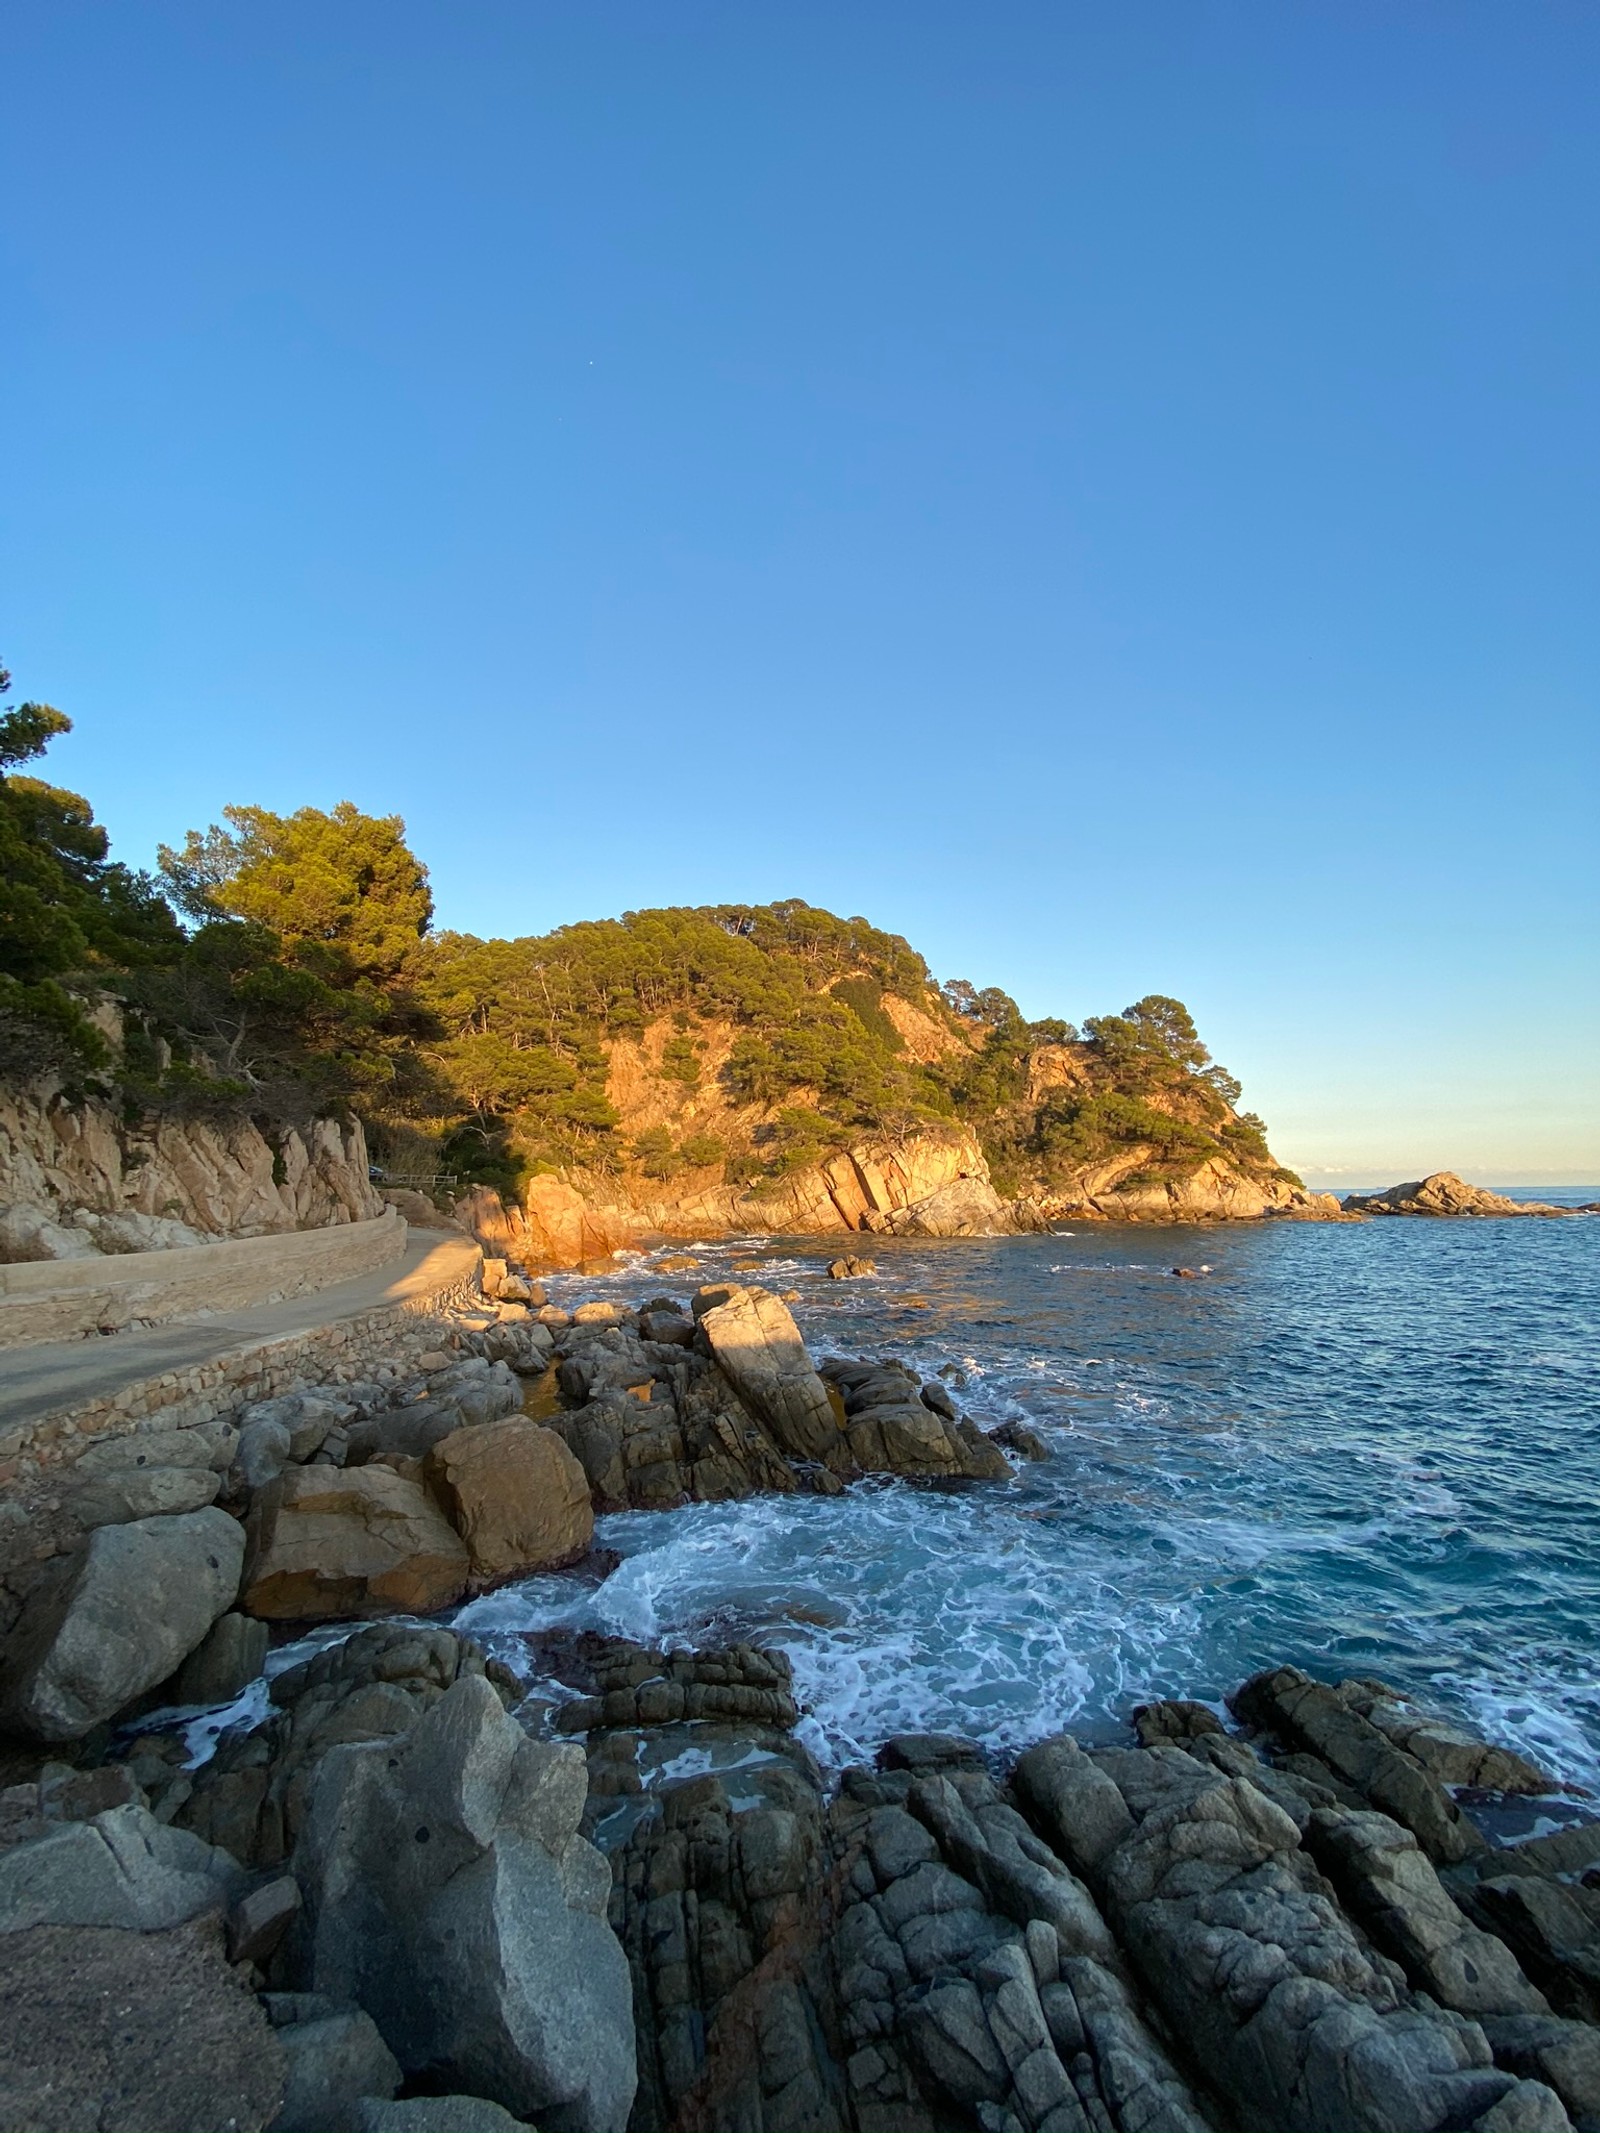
<point>603,1885</point>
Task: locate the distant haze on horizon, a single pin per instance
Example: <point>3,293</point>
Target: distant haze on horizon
<point>1107,494</point>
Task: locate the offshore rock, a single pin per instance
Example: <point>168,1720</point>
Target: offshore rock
<point>1443,1194</point>
<point>449,1894</point>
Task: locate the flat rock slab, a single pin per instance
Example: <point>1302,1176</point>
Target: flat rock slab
<point>117,2032</point>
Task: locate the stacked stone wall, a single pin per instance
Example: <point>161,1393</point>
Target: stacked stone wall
<point>179,1399</point>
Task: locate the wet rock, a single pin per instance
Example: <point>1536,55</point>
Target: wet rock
<point>1554,1932</point>
<point>1447,1752</point>
<point>897,1425</point>
<point>851,1268</point>
<point>1298,2023</point>
<point>1016,1437</point>
<point>1174,1721</point>
<point>599,1314</point>
<point>702,1896</point>
<point>633,1686</point>
<point>516,1495</point>
<point>326,1543</point>
<point>1310,1716</point>
<point>449,1894</point>
<point>132,2032</point>
<point>1388,1885</point>
<point>1565,2056</point>
<point>666,1325</point>
<point>112,1620</point>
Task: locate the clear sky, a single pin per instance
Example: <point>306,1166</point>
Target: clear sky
<point>1106,491</point>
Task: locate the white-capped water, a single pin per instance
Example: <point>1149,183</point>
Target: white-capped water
<point>1365,1450</point>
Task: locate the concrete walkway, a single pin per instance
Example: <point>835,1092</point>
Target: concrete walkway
<point>37,1380</point>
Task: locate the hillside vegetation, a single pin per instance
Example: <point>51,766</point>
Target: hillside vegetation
<point>283,965</point>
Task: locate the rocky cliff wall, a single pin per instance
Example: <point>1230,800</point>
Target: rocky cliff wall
<point>62,1160</point>
<point>931,1184</point>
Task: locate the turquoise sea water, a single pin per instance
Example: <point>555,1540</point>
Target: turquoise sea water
<point>1367,1449</point>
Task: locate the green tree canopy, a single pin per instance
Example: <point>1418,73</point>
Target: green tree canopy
<point>343,892</point>
<point>68,912</point>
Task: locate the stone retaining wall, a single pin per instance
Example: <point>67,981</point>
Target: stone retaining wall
<point>69,1299</point>
<point>429,1307</point>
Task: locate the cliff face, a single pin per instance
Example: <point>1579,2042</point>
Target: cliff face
<point>931,1180</point>
<point>134,1183</point>
<point>930,1184</point>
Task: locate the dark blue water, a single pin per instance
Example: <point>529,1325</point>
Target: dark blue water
<point>1365,1449</point>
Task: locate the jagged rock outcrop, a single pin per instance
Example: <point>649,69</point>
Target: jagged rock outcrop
<point>933,1183</point>
<point>1443,1193</point>
<point>133,1182</point>
<point>1170,1938</point>
<point>449,1894</point>
<point>251,1796</point>
<point>664,1408</point>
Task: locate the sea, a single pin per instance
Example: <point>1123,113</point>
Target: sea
<point>1366,1449</point>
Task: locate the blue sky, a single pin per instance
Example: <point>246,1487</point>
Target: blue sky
<point>1108,492</point>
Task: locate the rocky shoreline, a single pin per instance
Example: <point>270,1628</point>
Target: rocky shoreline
<point>606,1886</point>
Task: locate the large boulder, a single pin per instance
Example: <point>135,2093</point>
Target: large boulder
<point>111,1621</point>
<point>131,2032</point>
<point>755,1342</point>
<point>449,1893</point>
<point>119,1868</point>
<point>251,1796</point>
<point>516,1495</point>
<point>325,1542</point>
